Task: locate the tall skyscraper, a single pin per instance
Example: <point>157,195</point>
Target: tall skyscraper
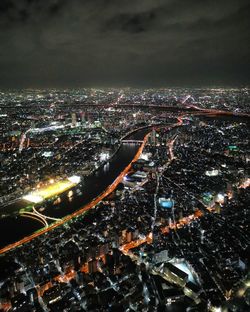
<point>73,119</point>
<point>152,138</point>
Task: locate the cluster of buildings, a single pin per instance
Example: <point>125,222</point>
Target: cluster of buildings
<point>173,236</point>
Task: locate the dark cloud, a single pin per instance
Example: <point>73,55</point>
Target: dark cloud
<point>117,42</point>
<point>130,22</point>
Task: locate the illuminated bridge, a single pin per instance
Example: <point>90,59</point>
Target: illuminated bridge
<point>38,216</point>
<point>132,141</point>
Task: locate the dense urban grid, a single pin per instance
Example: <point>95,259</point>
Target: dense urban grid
<point>125,200</point>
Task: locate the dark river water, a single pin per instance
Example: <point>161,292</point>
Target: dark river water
<point>15,228</point>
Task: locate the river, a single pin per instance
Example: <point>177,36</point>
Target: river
<point>14,228</point>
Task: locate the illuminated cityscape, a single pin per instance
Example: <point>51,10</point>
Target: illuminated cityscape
<point>126,199</point>
<point>124,156</point>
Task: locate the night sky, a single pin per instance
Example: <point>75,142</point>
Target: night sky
<point>141,43</point>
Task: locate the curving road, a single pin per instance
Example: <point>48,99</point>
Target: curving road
<point>113,186</point>
<point>85,208</point>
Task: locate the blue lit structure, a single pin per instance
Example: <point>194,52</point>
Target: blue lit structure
<point>166,203</point>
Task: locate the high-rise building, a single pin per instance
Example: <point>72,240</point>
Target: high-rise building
<point>152,138</point>
<point>83,117</point>
<point>92,266</point>
<point>217,207</point>
<point>73,119</point>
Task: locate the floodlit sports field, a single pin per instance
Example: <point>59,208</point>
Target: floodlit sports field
<point>52,190</point>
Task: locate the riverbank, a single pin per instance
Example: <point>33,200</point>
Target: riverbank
<point>97,187</point>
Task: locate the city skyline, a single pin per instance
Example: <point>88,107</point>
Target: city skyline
<point>124,156</point>
<point>113,200</point>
